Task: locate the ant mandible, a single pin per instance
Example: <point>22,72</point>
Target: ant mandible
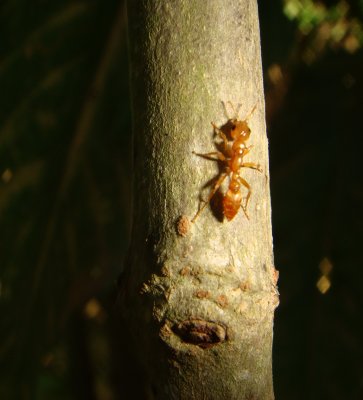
<point>234,134</point>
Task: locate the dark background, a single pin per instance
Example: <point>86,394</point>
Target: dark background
<point>65,173</point>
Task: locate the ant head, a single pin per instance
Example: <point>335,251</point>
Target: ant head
<point>239,129</point>
<point>235,127</point>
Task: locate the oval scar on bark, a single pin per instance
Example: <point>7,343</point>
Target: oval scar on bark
<point>200,333</point>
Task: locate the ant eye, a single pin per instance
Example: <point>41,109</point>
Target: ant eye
<point>233,127</point>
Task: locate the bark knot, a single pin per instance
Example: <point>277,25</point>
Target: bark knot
<point>200,332</point>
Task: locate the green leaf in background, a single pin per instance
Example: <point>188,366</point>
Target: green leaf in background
<point>327,25</point>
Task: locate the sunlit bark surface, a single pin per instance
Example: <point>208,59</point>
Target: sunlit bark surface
<point>198,298</point>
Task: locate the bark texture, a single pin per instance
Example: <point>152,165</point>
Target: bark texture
<point>197,299</point>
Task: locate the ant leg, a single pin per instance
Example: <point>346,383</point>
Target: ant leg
<point>246,150</point>
<point>221,134</point>
<point>208,156</point>
<point>252,166</point>
<point>211,194</point>
<point>245,184</point>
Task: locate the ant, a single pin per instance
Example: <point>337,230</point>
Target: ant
<point>234,134</point>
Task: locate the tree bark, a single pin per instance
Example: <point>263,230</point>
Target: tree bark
<point>197,299</point>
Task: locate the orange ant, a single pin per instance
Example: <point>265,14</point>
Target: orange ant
<point>234,134</point>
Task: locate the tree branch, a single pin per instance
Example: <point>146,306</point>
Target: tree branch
<point>198,298</point>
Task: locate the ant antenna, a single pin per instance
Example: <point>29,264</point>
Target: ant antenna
<point>251,112</point>
<point>233,109</point>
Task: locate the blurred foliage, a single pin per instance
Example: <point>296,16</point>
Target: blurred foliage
<point>314,90</point>
<point>65,195</point>
<point>332,27</point>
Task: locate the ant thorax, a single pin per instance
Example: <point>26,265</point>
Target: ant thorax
<point>238,146</point>
<point>235,162</point>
